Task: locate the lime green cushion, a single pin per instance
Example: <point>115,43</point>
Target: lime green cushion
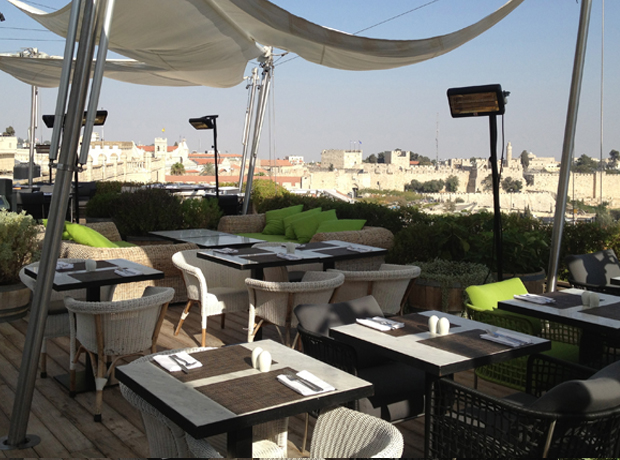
<point>306,228</point>
<point>564,351</point>
<point>274,220</point>
<point>341,225</point>
<point>87,236</point>
<point>123,244</point>
<point>486,296</point>
<point>289,232</point>
<point>65,233</point>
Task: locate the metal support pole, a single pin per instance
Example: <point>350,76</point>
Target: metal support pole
<point>569,143</point>
<point>33,126</point>
<point>248,122</point>
<point>217,180</point>
<point>497,212</point>
<point>17,437</point>
<point>260,117</point>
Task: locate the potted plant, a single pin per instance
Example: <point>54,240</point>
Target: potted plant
<point>441,284</point>
<point>19,246</point>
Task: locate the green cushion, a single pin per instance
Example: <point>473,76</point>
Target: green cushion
<point>564,351</point>
<point>274,220</point>
<point>486,296</point>
<point>306,228</point>
<point>341,225</point>
<point>65,233</point>
<point>289,232</point>
<point>87,236</point>
<point>123,244</point>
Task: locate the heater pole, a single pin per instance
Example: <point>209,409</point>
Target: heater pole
<point>497,213</point>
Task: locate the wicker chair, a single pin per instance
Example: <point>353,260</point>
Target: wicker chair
<point>399,388</point>
<point>483,307</point>
<point>577,418</point>
<point>115,329</point>
<point>158,256</point>
<point>345,433</point>
<point>274,301</point>
<point>216,288</point>
<point>166,439</point>
<point>390,286</point>
<point>57,322</point>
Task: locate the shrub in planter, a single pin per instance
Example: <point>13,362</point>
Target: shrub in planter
<point>18,244</point>
<point>146,210</point>
<point>201,213</point>
<point>102,205</point>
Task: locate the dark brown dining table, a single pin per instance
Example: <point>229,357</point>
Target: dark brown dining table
<point>227,395</point>
<point>438,356</point>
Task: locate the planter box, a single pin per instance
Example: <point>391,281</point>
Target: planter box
<point>14,302</point>
<point>427,295</point>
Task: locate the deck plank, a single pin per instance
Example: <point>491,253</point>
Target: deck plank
<point>66,425</point>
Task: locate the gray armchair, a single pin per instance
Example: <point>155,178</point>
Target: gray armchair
<point>594,271</point>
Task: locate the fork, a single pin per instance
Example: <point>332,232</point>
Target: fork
<point>307,383</point>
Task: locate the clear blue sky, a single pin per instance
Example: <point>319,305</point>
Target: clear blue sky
<point>530,53</point>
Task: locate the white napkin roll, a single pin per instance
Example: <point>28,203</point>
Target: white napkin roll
<point>373,324</point>
<point>127,272</point>
<point>303,389</point>
<point>502,340</point>
<point>60,265</point>
<point>226,250</point>
<point>358,249</point>
<point>171,366</point>
<point>283,255</point>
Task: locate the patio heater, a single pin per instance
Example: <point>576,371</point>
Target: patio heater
<point>209,122</point>
<point>482,101</point>
<point>99,120</point>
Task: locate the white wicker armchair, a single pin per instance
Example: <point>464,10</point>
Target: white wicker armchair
<point>166,439</point>
<point>216,288</point>
<point>274,301</point>
<point>57,322</point>
<point>115,329</point>
<point>345,433</point>
<point>389,285</point>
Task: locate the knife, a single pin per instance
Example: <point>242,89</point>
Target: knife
<point>303,381</point>
<point>180,362</point>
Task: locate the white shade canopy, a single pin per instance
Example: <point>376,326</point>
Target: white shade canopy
<point>210,42</point>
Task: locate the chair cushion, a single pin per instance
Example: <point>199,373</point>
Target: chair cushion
<point>564,351</point>
<point>306,228</point>
<point>341,225</point>
<point>88,237</point>
<point>399,391</point>
<point>486,296</point>
<point>595,269</point>
<point>599,392</point>
<point>274,219</point>
<point>289,232</point>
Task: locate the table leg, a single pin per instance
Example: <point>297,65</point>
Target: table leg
<point>428,384</point>
<point>239,443</point>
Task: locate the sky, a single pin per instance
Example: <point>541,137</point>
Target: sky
<point>313,108</point>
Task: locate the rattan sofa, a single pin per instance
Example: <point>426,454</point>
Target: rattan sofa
<point>158,256</point>
<point>371,236</point>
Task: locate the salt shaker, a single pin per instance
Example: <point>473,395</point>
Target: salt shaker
<point>91,265</point>
<point>264,361</point>
<point>443,326</point>
<point>257,351</point>
<point>432,324</point>
<point>585,298</point>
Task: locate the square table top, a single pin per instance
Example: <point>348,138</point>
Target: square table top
<point>229,394</point>
<point>461,349</point>
<point>206,238</point>
<point>569,309</point>
<point>78,278</point>
<point>323,251</point>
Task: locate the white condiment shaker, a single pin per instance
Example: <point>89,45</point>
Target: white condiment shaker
<point>257,351</point>
<point>264,361</point>
<point>443,326</point>
<point>432,324</point>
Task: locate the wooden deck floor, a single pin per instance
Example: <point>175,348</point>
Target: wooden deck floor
<point>66,427</point>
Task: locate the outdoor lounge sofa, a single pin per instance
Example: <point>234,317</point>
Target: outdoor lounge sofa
<point>158,256</point>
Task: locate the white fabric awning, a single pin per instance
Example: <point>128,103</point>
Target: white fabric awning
<point>210,42</point>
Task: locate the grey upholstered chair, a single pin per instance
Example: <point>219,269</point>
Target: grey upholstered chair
<point>215,288</point>
<point>594,271</point>
<point>345,433</point>
<point>57,322</point>
<point>388,285</point>
<point>115,329</point>
<point>576,418</point>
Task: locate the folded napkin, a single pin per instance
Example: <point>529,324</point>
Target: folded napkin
<point>359,249</point>
<point>301,388</point>
<point>171,366</point>
<point>60,265</point>
<point>505,338</point>
<point>226,250</point>
<point>539,299</point>
<point>283,255</point>
<point>127,272</point>
<point>368,322</point>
